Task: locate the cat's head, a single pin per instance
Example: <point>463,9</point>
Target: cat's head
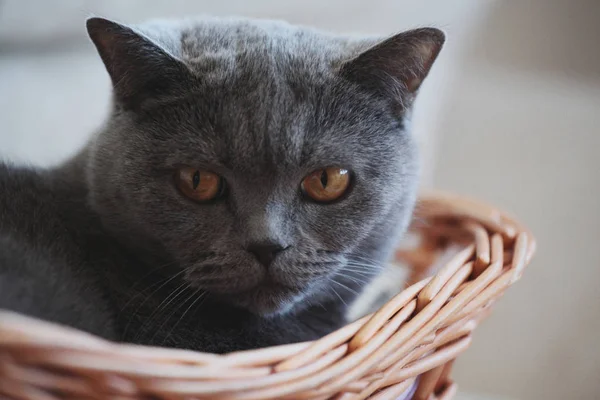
<point>271,163</point>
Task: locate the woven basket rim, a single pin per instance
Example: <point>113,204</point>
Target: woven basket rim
<point>415,332</point>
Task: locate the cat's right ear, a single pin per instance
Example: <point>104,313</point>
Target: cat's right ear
<point>397,66</point>
<point>139,69</point>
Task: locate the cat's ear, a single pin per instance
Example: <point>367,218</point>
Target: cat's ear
<point>397,66</point>
<point>139,69</point>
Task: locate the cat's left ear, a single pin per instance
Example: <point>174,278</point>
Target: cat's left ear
<point>397,66</point>
<point>140,69</point>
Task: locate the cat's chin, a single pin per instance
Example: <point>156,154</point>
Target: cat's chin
<point>268,300</point>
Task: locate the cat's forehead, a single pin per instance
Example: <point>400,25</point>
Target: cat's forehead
<point>274,129</point>
<point>228,46</point>
<point>268,96</point>
<point>231,37</point>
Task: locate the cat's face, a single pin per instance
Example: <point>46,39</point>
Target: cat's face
<point>218,171</point>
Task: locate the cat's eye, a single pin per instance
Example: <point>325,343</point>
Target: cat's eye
<point>326,185</point>
<point>199,185</point>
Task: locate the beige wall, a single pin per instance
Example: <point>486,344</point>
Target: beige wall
<point>522,130</point>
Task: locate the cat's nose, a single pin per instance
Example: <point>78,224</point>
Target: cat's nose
<point>265,252</point>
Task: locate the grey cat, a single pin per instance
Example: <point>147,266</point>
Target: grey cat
<point>249,182</point>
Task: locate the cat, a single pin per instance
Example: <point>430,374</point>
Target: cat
<point>251,179</point>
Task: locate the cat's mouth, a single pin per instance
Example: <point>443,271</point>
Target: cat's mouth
<point>263,292</point>
<point>268,298</point>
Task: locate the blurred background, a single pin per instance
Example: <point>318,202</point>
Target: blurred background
<point>510,114</point>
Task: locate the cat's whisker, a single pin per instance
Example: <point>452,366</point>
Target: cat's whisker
<point>195,294</point>
<point>339,297</point>
<point>165,303</point>
<point>344,286</point>
<point>354,279</point>
<point>166,308</point>
<point>363,259</point>
<point>152,271</point>
<point>147,298</point>
<point>364,264</point>
<point>321,305</point>
<point>360,274</point>
<point>362,270</point>
<point>363,267</point>
<point>139,293</point>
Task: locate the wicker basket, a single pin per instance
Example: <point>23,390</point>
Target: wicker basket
<point>406,348</point>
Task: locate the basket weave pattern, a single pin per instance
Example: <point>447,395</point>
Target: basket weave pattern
<point>477,251</point>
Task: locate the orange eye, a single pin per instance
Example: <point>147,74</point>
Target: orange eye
<point>199,185</point>
<point>326,185</point>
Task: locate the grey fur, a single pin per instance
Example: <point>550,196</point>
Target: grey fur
<point>262,103</point>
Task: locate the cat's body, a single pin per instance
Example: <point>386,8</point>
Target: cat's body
<point>108,244</point>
